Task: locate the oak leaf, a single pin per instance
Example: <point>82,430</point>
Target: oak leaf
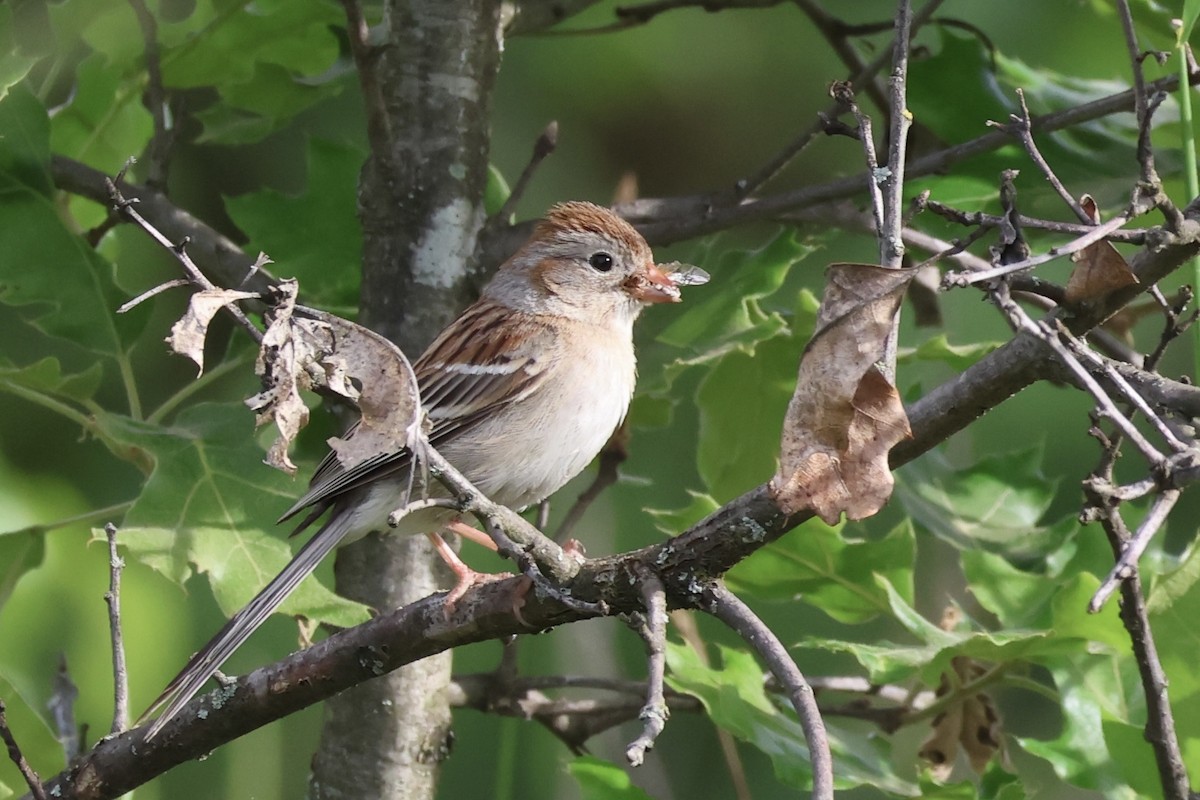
<point>845,415</point>
<point>1099,268</point>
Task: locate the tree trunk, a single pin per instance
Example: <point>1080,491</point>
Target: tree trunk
<point>421,207</point>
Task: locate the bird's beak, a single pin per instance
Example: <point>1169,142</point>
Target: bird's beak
<point>652,285</point>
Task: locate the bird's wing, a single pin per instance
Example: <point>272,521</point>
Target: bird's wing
<point>488,358</point>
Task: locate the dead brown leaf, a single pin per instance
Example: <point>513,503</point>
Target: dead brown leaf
<point>970,724</point>
<point>1099,268</point>
<point>304,348</point>
<point>845,415</point>
<point>189,332</point>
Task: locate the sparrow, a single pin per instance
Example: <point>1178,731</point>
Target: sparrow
<point>521,392</point>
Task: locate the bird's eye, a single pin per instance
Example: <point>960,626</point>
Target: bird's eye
<point>601,262</point>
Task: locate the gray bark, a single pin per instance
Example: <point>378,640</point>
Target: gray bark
<point>421,208</point>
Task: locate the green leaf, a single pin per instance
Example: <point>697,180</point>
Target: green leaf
<point>1054,598</point>
<point>21,45</point>
<point>19,553</point>
<point>938,348</point>
<point>996,502</point>
<point>1176,584</point>
<point>602,780</point>
<point>1136,762</point>
<point>46,377</point>
<point>817,564</point>
<point>1174,607</point>
<point>497,190</point>
<point>209,47</point>
<point>1068,626</point>
<point>66,289</point>
<point>101,126</point>
<point>728,314</point>
<point>261,105</point>
<point>742,402</point>
<point>293,68</point>
<point>1092,690</point>
<point>734,698</point>
<point>673,521</point>
<point>207,506</point>
<point>1191,10</point>
<point>1095,149</point>
<point>24,145</point>
<point>961,68</point>
<point>321,242</point>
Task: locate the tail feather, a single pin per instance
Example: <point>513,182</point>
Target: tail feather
<point>204,664</point>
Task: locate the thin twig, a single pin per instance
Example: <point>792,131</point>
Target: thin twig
<point>546,144</point>
<point>727,607</point>
<point>14,752</point>
<point>1050,335</point>
<point>113,599</point>
<point>1084,353</point>
<point>776,164</point>
<point>1023,125</point>
<point>126,209</point>
<point>1141,102</point>
<point>973,218</point>
<point>1126,566</point>
<point>1099,232</point>
<point>1160,730</point>
<point>891,245</point>
<point>158,150</point>
<point>844,94</point>
<point>838,33</point>
<point>654,712</point>
<point>129,305</point>
<point>515,538</point>
<point>365,59</point>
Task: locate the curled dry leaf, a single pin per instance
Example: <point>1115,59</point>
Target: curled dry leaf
<point>1099,268</point>
<point>280,365</point>
<point>189,332</point>
<point>304,348</point>
<point>970,723</point>
<point>388,399</point>
<point>845,415</point>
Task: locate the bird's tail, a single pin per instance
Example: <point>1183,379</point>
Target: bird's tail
<point>241,625</point>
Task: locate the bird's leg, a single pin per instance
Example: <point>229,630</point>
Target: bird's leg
<point>468,577</point>
<point>474,534</point>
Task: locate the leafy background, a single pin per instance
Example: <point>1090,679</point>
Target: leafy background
<point>95,415</point>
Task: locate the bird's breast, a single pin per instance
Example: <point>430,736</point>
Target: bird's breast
<point>529,451</point>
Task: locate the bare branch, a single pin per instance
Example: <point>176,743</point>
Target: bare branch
<point>113,599</point>
<point>546,144</point>
<point>158,150</point>
<point>126,209</point>
<point>1131,551</point>
<point>727,607</point>
<point>654,712</point>
<point>1050,334</point>
<point>1096,234</point>
<point>1023,127</point>
<point>891,245</point>
<point>1160,722</point>
<point>365,61</point>
<point>14,752</point>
